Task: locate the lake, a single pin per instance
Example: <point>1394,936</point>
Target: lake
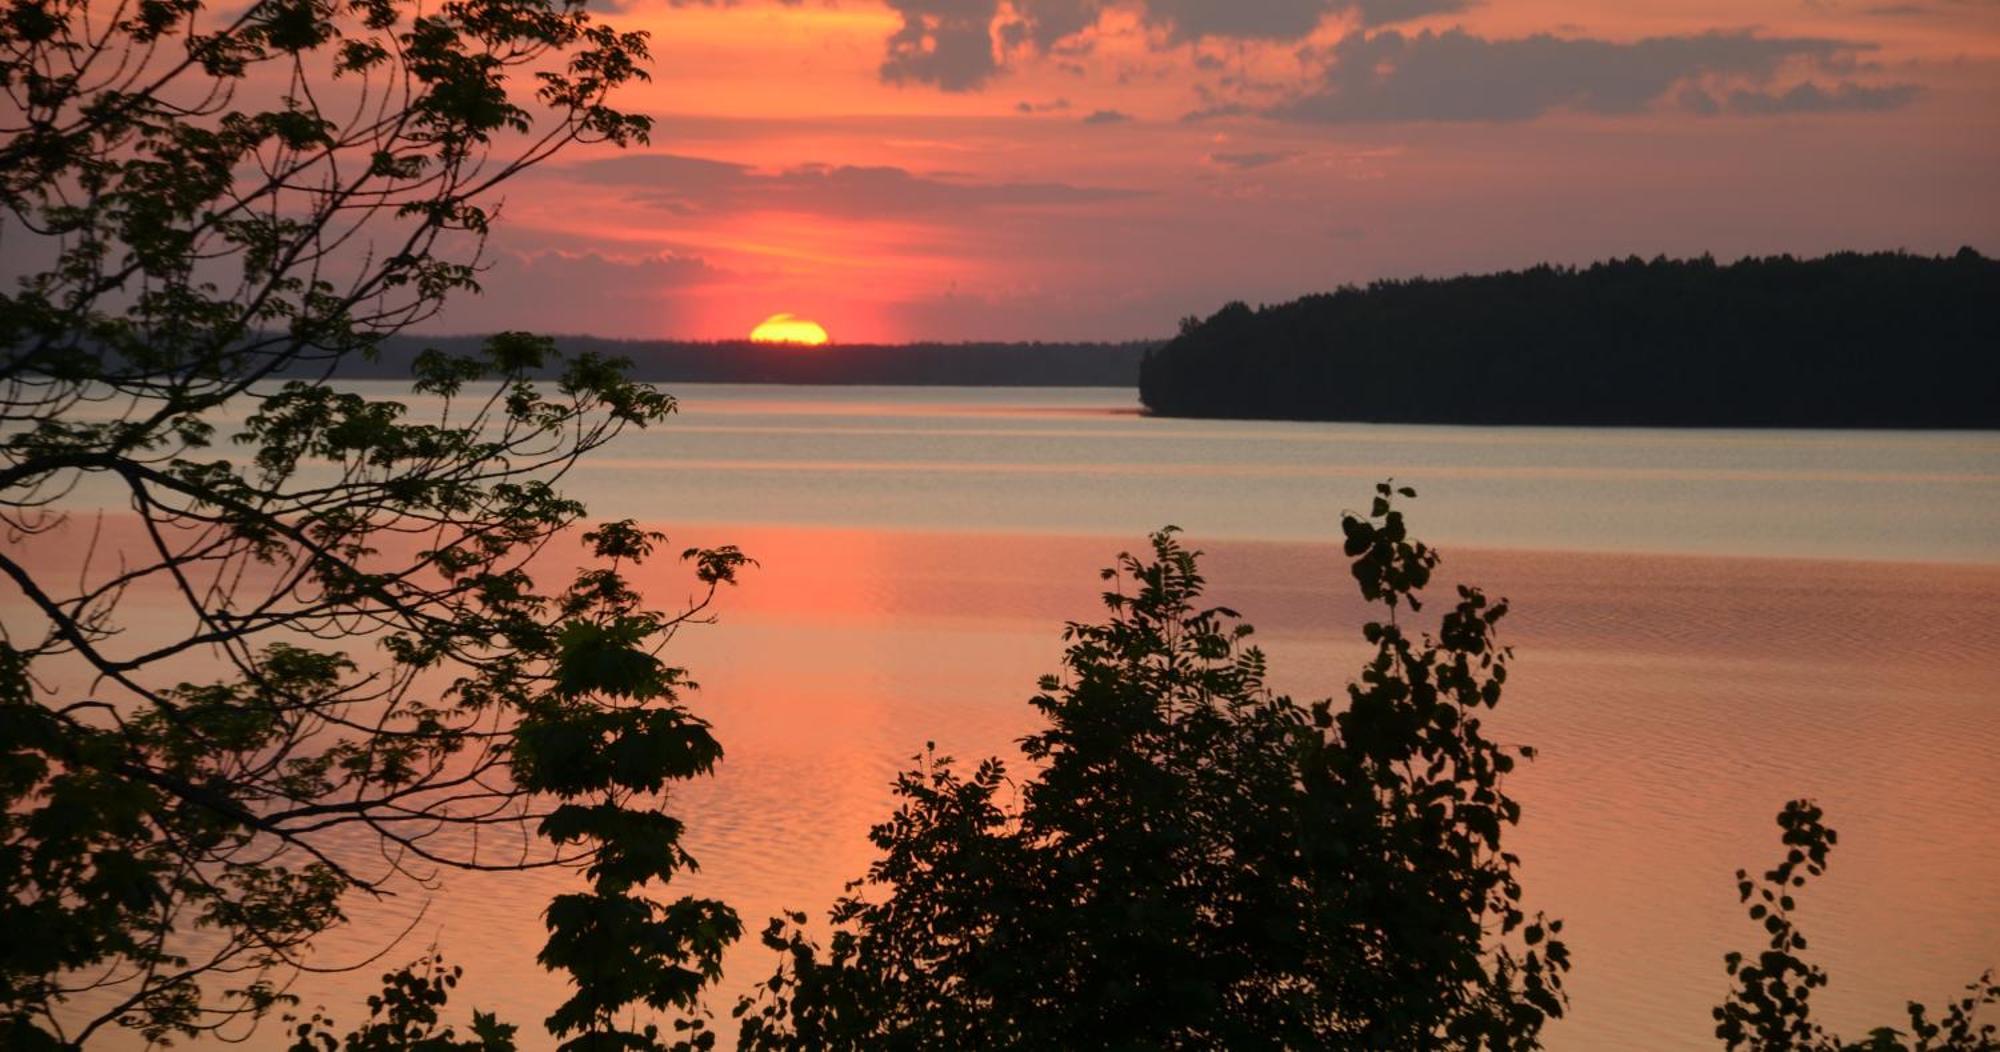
<point>1707,624</point>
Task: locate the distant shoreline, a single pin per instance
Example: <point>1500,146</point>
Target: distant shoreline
<point>1074,364</point>
<point>1886,341</point>
<point>1848,341</point>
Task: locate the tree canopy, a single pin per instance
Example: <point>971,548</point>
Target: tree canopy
<point>1196,862</point>
<point>348,670</point>
<point>1850,340</point>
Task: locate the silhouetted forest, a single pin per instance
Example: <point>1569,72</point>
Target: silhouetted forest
<point>1849,340</point>
<point>743,362</point>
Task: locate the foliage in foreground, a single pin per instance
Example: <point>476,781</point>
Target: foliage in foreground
<point>1769,1006</point>
<point>190,841</point>
<point>405,1017</point>
<point>1197,862</point>
<point>344,677</point>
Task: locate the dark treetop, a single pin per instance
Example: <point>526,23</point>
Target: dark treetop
<point>1850,340</point>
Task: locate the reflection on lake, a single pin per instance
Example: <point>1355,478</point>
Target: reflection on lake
<point>1708,624</point>
<point>1059,462</point>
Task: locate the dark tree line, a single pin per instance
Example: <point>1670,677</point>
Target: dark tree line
<point>1849,340</point>
<point>742,362</point>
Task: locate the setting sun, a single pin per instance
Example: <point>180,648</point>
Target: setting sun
<point>785,328</point>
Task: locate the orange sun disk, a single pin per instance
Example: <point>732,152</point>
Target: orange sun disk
<point>785,328</point>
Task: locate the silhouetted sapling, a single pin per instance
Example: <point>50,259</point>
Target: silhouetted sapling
<point>1769,1007</point>
<point>1196,861</point>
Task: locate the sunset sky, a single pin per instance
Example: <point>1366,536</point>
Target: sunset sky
<point>1074,169</point>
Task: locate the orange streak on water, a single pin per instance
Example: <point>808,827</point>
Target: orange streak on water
<point>1678,701</point>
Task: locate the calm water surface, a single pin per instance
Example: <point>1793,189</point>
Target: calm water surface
<point>1707,624</point>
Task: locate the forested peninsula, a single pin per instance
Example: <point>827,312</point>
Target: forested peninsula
<point>1888,340</point>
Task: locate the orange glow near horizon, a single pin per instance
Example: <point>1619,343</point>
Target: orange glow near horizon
<point>786,328</point>
<point>903,175</point>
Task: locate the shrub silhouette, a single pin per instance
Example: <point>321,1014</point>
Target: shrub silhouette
<point>404,1017</point>
<point>1196,861</point>
<point>1769,1005</point>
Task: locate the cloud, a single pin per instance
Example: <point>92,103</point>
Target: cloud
<point>1107,117</point>
<point>644,275</point>
<point>1283,20</point>
<point>1044,24</point>
<point>1456,76</point>
<point>623,6</point>
<point>944,43</point>
<point>1051,106</point>
<point>697,186</point>
<point>581,291</point>
<point>682,185</point>
<point>1216,112</point>
<point>1389,12</point>
<point>1262,20</point>
<point>1243,162</point>
<point>1698,101</point>
<point>1811,98</point>
<point>959,45</point>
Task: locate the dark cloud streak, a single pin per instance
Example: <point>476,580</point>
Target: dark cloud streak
<point>1045,24</point>
<point>1389,75</point>
<point>1282,20</point>
<point>957,45</point>
<point>1811,98</point>
<point>696,186</point>
<point>1456,76</point>
<point>1248,160</point>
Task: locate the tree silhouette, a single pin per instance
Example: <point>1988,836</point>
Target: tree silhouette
<point>404,1017</point>
<point>1769,1007</point>
<point>1197,862</point>
<point>347,674</point>
<point>1849,340</point>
